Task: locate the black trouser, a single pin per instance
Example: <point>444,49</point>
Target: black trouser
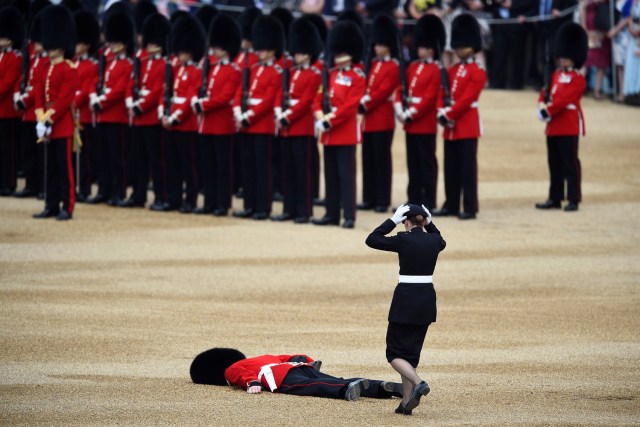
<point>8,145</point>
<point>216,153</point>
<point>33,153</point>
<point>461,174</point>
<point>422,166</point>
<point>60,179</point>
<point>315,170</point>
<point>297,165</point>
<point>256,172</point>
<point>376,168</point>
<point>143,138</point>
<point>238,148</point>
<point>277,165</point>
<point>111,155</point>
<point>156,139</point>
<point>184,144</point>
<point>87,159</point>
<point>564,164</point>
<point>340,180</point>
<point>509,49</point>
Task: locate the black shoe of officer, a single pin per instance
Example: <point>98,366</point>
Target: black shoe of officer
<point>203,210</point>
<point>81,198</point>
<point>325,220</point>
<point>186,208</point>
<point>466,215</point>
<point>114,201</point>
<point>260,216</point>
<point>6,192</point>
<point>443,212</point>
<point>364,206</point>
<point>420,390</point>
<point>46,213</point>
<point>220,212</point>
<point>571,207</point>
<point>64,215</point>
<point>98,198</point>
<point>349,223</point>
<point>24,193</point>
<point>282,217</point>
<point>402,410</point>
<point>246,213</point>
<point>162,207</point>
<point>548,204</point>
<point>130,203</point>
<point>381,209</point>
<point>355,389</point>
<point>394,389</point>
<point>301,220</point>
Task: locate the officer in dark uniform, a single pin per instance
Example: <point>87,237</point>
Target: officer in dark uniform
<point>413,307</point>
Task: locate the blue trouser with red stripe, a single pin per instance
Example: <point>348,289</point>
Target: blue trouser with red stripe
<point>307,381</point>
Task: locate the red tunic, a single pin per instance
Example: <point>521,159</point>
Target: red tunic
<point>187,78</point>
<point>346,88</point>
<point>242,373</point>
<point>264,84</point>
<point>87,69</point>
<point>303,87</point>
<point>10,66</point>
<point>38,64</point>
<point>116,80</point>
<point>150,90</point>
<point>224,80</point>
<point>424,91</point>
<point>383,80</point>
<point>56,92</point>
<point>564,108</point>
<point>466,80</point>
<point>250,60</point>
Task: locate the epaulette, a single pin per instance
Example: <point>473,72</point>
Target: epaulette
<point>278,68</point>
<point>315,69</point>
<point>360,72</point>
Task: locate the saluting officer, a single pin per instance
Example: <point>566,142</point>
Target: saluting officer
<point>461,121</point>
<point>217,127</point>
<point>419,114</point>
<point>53,98</point>
<point>340,132</point>
<point>563,114</point>
<point>379,120</point>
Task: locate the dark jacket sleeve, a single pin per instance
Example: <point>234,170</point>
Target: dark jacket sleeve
<point>432,229</point>
<point>378,238</point>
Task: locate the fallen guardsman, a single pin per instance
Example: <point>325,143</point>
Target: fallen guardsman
<point>288,374</point>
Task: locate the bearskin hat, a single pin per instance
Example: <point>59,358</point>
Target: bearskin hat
<point>267,34</point>
<point>141,11</point>
<point>246,20</point>
<point>87,30</point>
<point>58,30</point>
<point>36,7</point>
<point>156,29</point>
<point>21,5</point>
<point>119,28</point>
<point>346,37</point>
<point>176,15</point>
<point>353,16</point>
<point>72,5</point>
<point>226,34</point>
<point>284,16</point>
<point>117,7</point>
<point>318,22</point>
<point>304,38</point>
<point>12,26</point>
<point>187,35</point>
<point>572,43</point>
<point>385,32</point>
<point>35,28</point>
<point>465,32</point>
<point>208,367</point>
<point>205,15</point>
<point>429,32</point>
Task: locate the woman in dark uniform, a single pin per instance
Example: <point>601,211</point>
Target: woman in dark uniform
<point>413,307</point>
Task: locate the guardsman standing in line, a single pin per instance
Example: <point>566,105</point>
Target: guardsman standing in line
<point>295,121</point>
<point>461,121</point>
<point>254,114</point>
<point>188,43</point>
<point>379,119</point>
<point>143,101</point>
<point>111,111</point>
<point>12,33</point>
<point>88,40</point>
<point>217,126</point>
<point>54,96</point>
<point>565,123</point>
<point>340,132</point>
<point>419,115</point>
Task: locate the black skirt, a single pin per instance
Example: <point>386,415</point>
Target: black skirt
<point>414,304</point>
<point>405,342</point>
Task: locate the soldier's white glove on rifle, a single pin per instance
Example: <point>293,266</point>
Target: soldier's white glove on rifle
<point>41,129</point>
<point>399,214</point>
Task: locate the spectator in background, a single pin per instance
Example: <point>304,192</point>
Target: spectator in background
<point>632,63</point>
<point>599,55</point>
<point>477,8</point>
<point>416,8</point>
<point>619,33</point>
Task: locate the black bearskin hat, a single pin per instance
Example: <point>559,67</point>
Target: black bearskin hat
<point>87,30</point>
<point>346,37</point>
<point>119,28</point>
<point>205,15</point>
<point>187,35</point>
<point>385,32</point>
<point>36,7</point>
<point>117,7</point>
<point>304,38</point>
<point>226,34</point>
<point>246,20</point>
<point>465,32</point>
<point>58,30</point>
<point>72,5</point>
<point>353,16</point>
<point>12,26</point>
<point>35,28</point>
<point>284,16</point>
<point>572,43</point>
<point>430,33</point>
<point>319,23</point>
<point>141,11</point>
<point>208,367</point>
<point>156,29</point>
<point>267,34</point>
<point>175,16</point>
<point>21,5</point>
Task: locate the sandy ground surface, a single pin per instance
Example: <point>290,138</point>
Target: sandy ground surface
<point>539,313</point>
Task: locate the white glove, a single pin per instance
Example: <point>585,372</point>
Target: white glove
<point>319,126</point>
<point>398,109</point>
<point>128,102</point>
<point>399,215</point>
<point>41,129</point>
<point>428,214</point>
<point>237,114</point>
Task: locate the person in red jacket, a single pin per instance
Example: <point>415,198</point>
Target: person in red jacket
<point>295,122</point>
<point>254,114</point>
<point>188,43</point>
<point>565,123</point>
<point>379,119</point>
<point>88,40</point>
<point>111,111</point>
<point>296,374</point>
<point>12,33</point>
<point>217,127</point>
<point>424,91</point>
<point>461,121</point>
<point>53,99</point>
<point>338,123</point>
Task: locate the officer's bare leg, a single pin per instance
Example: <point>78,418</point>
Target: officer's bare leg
<point>410,378</point>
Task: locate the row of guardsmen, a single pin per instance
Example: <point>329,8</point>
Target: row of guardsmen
<point>193,112</point>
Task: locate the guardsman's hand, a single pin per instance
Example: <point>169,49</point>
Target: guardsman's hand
<point>254,389</point>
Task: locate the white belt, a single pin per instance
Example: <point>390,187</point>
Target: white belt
<point>267,373</point>
<point>144,92</point>
<point>416,99</point>
<point>474,104</point>
<point>179,99</point>
<point>107,90</point>
<point>254,101</point>
<point>293,102</point>
<point>572,107</point>
<point>415,279</point>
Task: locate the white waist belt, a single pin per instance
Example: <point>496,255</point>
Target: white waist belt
<point>179,99</point>
<point>293,102</point>
<point>474,104</point>
<point>572,107</point>
<point>415,279</point>
<point>416,99</point>
<point>254,101</point>
<point>267,373</point>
